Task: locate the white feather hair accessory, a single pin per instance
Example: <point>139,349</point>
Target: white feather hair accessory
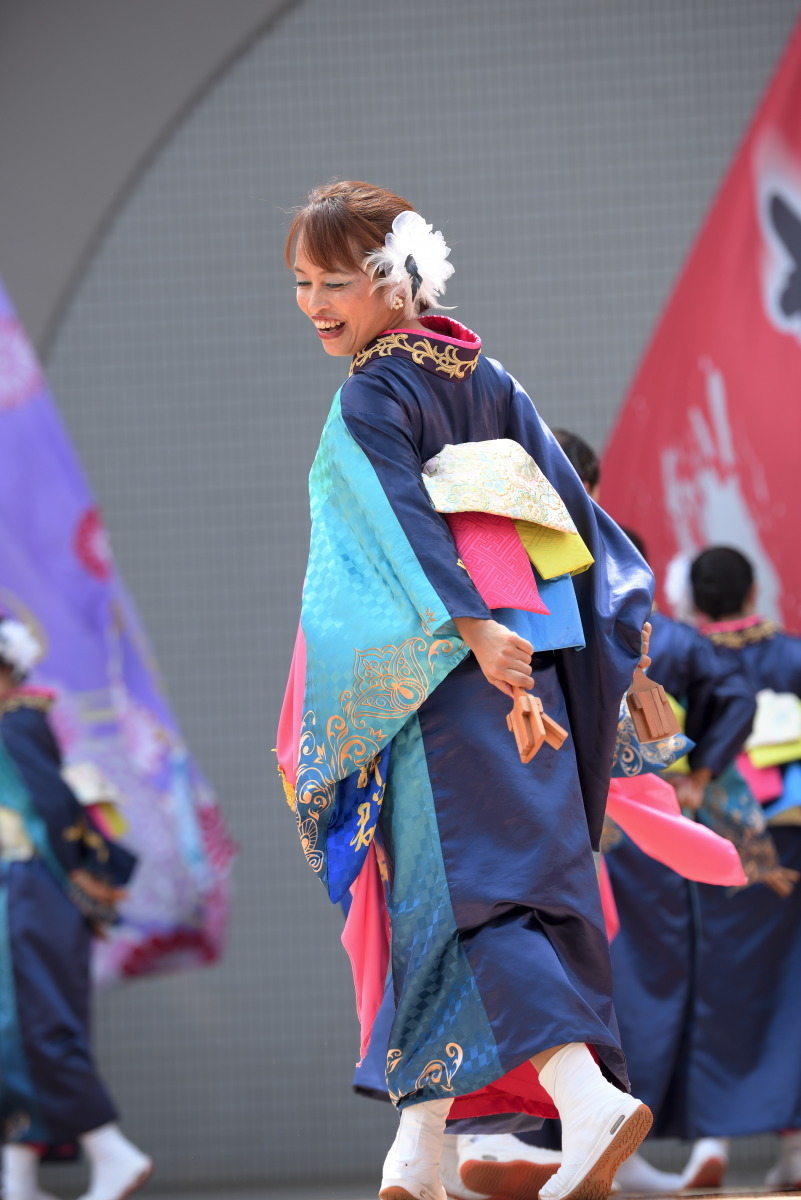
<point>679,589</point>
<point>18,647</point>
<point>412,263</point>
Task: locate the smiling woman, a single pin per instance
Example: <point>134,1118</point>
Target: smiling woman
<point>393,743</point>
<point>329,244</point>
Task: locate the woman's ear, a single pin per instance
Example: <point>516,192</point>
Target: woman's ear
<point>749,604</point>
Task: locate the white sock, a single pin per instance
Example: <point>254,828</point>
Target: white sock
<point>786,1171</point>
<point>592,1111</point>
<point>705,1150</point>
<point>413,1158</point>
<point>636,1174</point>
<point>20,1173</point>
<point>117,1167</point>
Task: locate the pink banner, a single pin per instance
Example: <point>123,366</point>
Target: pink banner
<point>706,447</point>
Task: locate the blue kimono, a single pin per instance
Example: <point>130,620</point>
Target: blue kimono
<point>743,1069</point>
<point>497,937</point>
<point>50,1092</point>
<point>653,955</point>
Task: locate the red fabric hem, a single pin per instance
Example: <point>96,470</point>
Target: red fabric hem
<point>518,1091</point>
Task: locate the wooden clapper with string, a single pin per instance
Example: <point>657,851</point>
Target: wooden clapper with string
<point>650,710</point>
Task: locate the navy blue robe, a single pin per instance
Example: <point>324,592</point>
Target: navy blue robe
<point>744,1066</point>
<point>50,1092</point>
<point>498,941</point>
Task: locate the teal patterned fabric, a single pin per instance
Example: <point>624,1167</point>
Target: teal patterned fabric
<point>441,1023</point>
<point>378,636</point>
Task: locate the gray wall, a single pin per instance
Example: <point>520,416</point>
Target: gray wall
<point>88,90</point>
<point>568,150</point>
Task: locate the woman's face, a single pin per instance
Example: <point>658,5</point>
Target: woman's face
<point>346,313</point>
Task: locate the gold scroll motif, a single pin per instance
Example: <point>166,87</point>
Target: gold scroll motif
<point>444,357</point>
<point>436,1073</point>
<point>437,1069</point>
<point>389,682</point>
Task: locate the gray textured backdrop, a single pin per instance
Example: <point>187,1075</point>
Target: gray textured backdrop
<point>568,150</point>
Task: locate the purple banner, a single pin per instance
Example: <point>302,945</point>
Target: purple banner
<point>57,574</point>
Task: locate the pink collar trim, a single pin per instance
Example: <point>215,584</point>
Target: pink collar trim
<point>445,330</point>
<point>731,626</point>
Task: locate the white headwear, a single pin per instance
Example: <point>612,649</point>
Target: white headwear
<point>18,647</point>
<point>678,589</point>
<point>412,263</point>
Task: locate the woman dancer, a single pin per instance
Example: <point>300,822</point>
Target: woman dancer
<point>394,725</point>
<point>60,880</point>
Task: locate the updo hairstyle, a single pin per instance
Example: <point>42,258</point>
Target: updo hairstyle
<point>342,223</point>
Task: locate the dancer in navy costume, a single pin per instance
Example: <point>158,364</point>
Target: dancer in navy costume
<point>743,1073</point>
<point>59,882</point>
<point>508,923</point>
<point>654,954</point>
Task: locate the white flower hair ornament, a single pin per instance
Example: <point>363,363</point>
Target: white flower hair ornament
<point>18,647</point>
<point>412,263</point>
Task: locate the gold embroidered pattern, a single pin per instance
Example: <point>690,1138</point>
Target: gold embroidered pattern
<point>436,1074</point>
<point>443,357</point>
<point>80,832</point>
<point>289,791</point>
<point>735,639</point>
<point>432,1074</point>
<point>16,700</point>
<point>389,682</point>
<point>393,1060</point>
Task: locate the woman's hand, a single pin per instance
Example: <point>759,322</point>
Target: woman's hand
<point>504,657</point>
<point>690,788</point>
<point>644,644</point>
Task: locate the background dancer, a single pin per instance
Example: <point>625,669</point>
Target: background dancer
<point>60,881</point>
<point>654,954</point>
<point>743,1068</point>
<point>505,968</point>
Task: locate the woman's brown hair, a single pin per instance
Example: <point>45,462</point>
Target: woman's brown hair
<point>342,222</point>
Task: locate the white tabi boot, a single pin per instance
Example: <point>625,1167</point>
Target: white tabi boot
<point>411,1169</point>
<point>501,1166</point>
<point>707,1164</point>
<point>449,1175</point>
<point>117,1168</point>
<point>20,1173</point>
<point>638,1177</point>
<point>786,1174</point>
<point>601,1126</point>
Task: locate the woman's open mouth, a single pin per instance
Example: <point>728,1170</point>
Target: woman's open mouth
<point>328,330</point>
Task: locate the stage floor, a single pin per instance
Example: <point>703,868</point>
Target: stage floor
<point>365,1192</point>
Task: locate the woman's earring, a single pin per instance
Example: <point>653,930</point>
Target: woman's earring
<point>397,302</point>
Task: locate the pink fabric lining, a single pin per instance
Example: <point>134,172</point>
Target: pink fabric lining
<point>366,938</point>
<point>646,808</point>
<point>730,626</point>
<point>291,719</point>
<point>464,336</point>
<point>608,904</point>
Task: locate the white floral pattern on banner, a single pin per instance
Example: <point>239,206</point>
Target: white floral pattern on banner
<point>496,476</point>
<point>20,377</point>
